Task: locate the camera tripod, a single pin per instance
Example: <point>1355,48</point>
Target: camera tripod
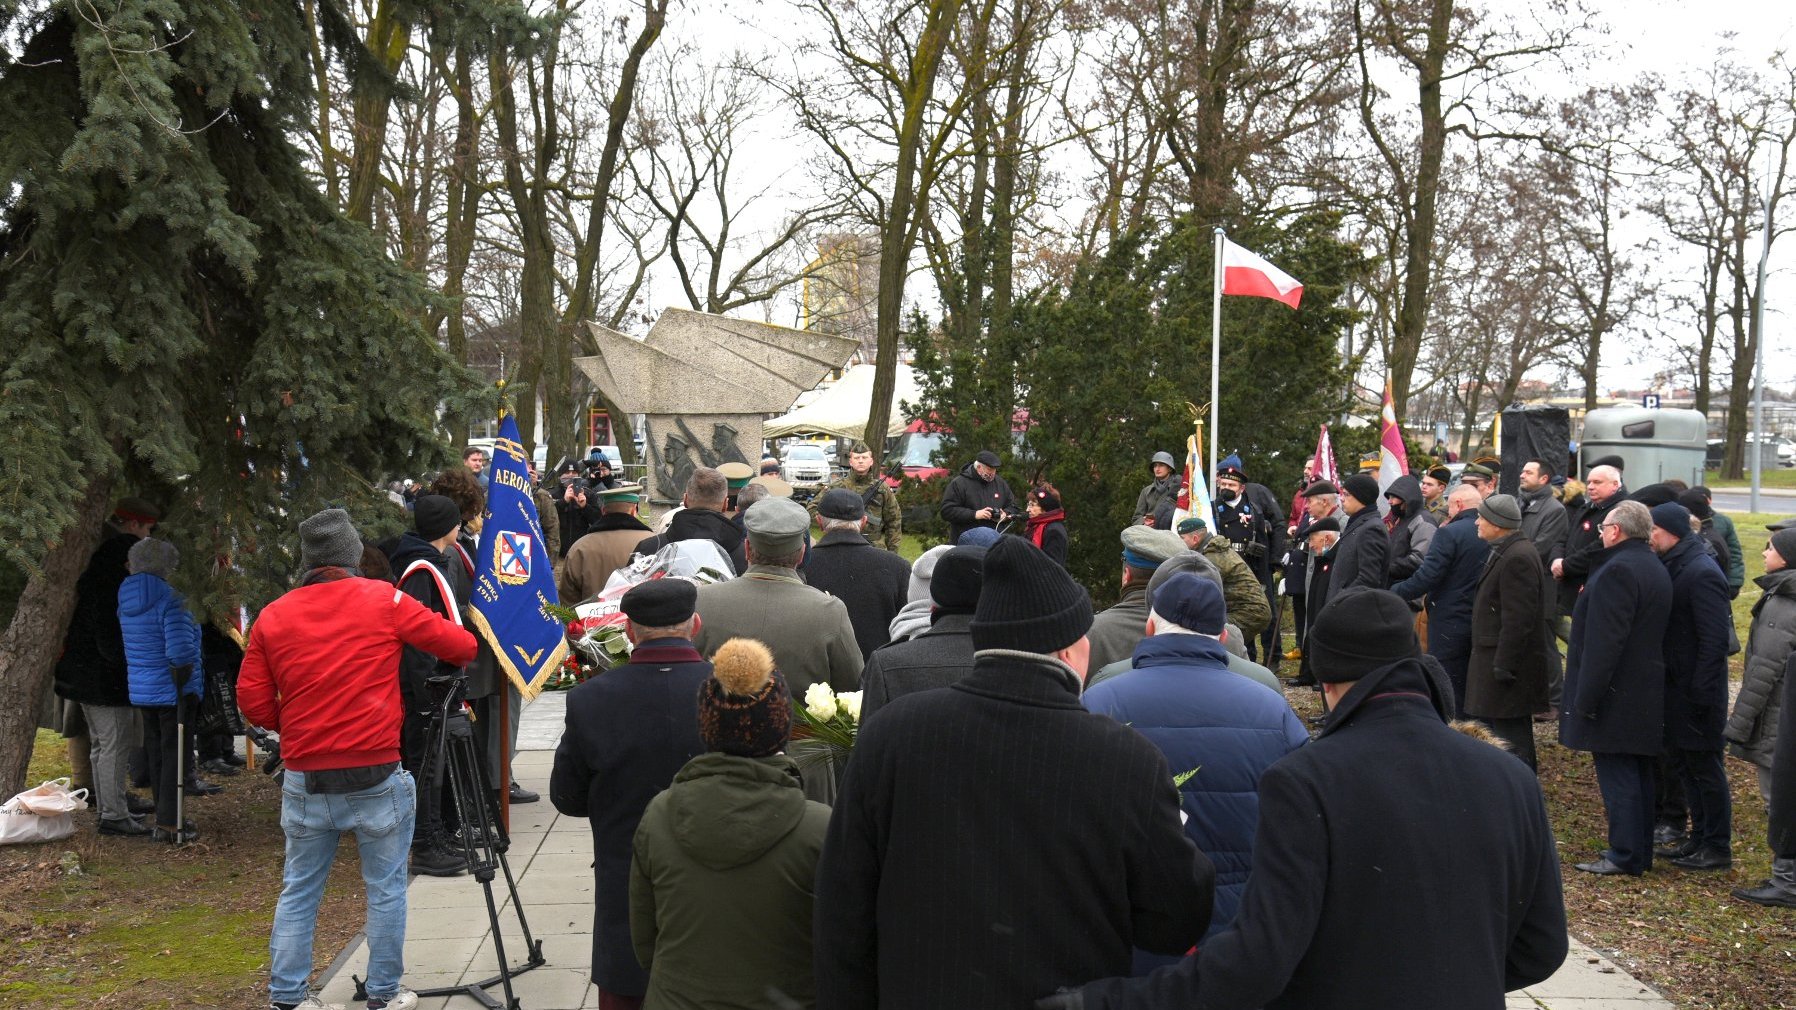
<point>451,750</point>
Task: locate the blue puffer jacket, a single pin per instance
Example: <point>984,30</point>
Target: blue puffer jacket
<point>1182,697</point>
<point>159,634</point>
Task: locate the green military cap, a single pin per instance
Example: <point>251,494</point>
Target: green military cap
<point>859,447</point>
<point>1147,547</point>
<point>776,526</point>
<point>1477,470</point>
<point>737,474</point>
<point>1192,525</point>
<point>621,493</point>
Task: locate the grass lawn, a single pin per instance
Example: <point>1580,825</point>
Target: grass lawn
<point>145,925</point>
<point>1780,477</point>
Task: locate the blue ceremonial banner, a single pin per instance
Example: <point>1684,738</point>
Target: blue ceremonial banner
<point>513,580</point>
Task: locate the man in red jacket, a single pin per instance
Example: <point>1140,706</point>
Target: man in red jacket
<point>322,669</point>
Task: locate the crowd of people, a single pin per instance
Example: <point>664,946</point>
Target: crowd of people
<point>1046,805</point>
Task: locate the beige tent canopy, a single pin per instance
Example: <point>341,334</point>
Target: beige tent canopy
<point>841,410</point>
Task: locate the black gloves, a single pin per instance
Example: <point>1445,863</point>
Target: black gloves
<point>1065,999</point>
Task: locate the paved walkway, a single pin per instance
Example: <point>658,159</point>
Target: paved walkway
<point>448,939</point>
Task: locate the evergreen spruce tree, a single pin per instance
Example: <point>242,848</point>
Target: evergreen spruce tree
<point>1107,368</point>
<point>183,315</point>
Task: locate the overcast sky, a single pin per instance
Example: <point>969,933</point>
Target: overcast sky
<point>1665,36</point>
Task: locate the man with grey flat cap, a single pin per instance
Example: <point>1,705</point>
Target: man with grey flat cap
<point>885,523</point>
<point>1506,677</point>
<point>1116,630</point>
<point>872,583</point>
<point>1164,489</point>
<point>977,497</point>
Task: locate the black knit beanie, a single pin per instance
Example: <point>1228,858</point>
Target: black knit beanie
<point>1363,488</point>
<point>743,707</point>
<point>1784,543</point>
<point>1359,632</point>
<point>954,587</point>
<point>1027,602</point>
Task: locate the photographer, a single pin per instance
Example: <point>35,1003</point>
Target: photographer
<point>320,671</point>
<point>977,497</point>
<point>578,511</point>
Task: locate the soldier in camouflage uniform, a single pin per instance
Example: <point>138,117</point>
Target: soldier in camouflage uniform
<point>885,524</point>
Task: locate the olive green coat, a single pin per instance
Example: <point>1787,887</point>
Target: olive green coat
<point>1242,592</point>
<point>722,886</point>
<point>885,521</point>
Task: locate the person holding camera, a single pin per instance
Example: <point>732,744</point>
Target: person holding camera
<point>320,670</point>
<point>578,512</point>
<point>977,497</point>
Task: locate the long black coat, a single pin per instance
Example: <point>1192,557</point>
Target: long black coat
<point>91,669</point>
<point>874,583</point>
<point>628,733</point>
<point>936,658</point>
<point>994,841</point>
<point>1397,863</point>
<point>1506,676</point>
<point>1362,555</point>
<point>1696,643</point>
<point>1615,661</point>
<point>1583,545</point>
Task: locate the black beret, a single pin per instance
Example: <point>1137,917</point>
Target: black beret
<point>660,603</point>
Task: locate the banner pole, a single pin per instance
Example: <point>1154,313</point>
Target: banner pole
<point>1216,360</point>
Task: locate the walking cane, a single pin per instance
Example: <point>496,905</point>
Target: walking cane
<point>180,754</point>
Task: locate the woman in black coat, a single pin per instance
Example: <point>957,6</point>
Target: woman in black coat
<point>1047,522</point>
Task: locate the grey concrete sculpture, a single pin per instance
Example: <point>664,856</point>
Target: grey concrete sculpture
<point>705,384</point>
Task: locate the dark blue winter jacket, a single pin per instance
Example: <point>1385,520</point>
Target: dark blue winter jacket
<point>159,634</point>
<point>1449,578</point>
<point>1182,697</point>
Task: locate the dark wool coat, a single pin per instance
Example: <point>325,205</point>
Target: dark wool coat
<point>1736,560</point>
<point>1054,542</point>
<point>1615,661</point>
<point>1397,863</point>
<point>936,658</point>
<point>873,583</point>
<point>1449,580</point>
<point>1583,545</point>
<point>1363,554</point>
<point>1506,676</point>
<point>91,669</point>
<point>576,521</point>
<point>1116,628</point>
<point>1543,523</point>
<point>1155,494</point>
<point>966,495</point>
<point>700,524</point>
<point>1182,697</point>
<point>1752,728</point>
<point>994,841</point>
<point>1696,641</point>
<point>629,732</point>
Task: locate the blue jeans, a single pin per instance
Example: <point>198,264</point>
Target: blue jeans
<point>382,818</point>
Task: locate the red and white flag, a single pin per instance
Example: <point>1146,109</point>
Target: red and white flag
<point>1393,458</point>
<point>1247,273</point>
<point>1325,459</point>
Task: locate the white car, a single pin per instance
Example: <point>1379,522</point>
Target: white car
<point>805,466</point>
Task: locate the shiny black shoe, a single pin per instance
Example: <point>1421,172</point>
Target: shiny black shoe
<point>187,833</point>
<point>521,795</point>
<point>1669,836</point>
<point>218,766</point>
<point>1705,859</point>
<point>1767,893</point>
<point>235,760</point>
<point>1676,852</point>
<point>200,787</point>
<point>1604,868</point>
<point>128,827</point>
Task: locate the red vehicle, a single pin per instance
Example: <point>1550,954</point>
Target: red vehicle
<point>915,450</point>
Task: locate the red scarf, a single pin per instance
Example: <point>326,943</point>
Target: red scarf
<point>1040,523</point>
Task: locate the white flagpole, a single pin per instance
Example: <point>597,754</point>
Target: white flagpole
<point>1216,362</point>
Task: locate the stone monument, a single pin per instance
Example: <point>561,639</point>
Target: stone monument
<point>704,384</point>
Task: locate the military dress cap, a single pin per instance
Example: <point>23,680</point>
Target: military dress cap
<point>859,448</point>
<point>1476,471</point>
<point>1163,457</point>
<point>1441,474</point>
<point>1231,467</point>
<point>775,484</point>
<point>776,526</point>
<point>1321,487</point>
<point>769,465</point>
<point>841,503</point>
<point>621,493</point>
<point>736,474</point>
<point>660,603</point>
<point>1147,547</point>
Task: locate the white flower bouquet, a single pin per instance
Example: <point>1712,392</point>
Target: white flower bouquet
<point>827,725</point>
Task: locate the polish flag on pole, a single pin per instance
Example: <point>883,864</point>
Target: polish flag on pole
<point>1393,458</point>
<point>1247,273</point>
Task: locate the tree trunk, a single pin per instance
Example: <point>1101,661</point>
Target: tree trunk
<point>388,36</point>
<point>1418,263</point>
<point>896,234</point>
<point>33,639</point>
<point>463,217</point>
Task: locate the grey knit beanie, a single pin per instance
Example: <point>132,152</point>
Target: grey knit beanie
<point>329,540</point>
<point>150,556</point>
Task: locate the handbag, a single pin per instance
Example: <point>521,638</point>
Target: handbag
<point>41,814</point>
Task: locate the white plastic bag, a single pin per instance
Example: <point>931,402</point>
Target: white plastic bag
<point>42,814</point>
